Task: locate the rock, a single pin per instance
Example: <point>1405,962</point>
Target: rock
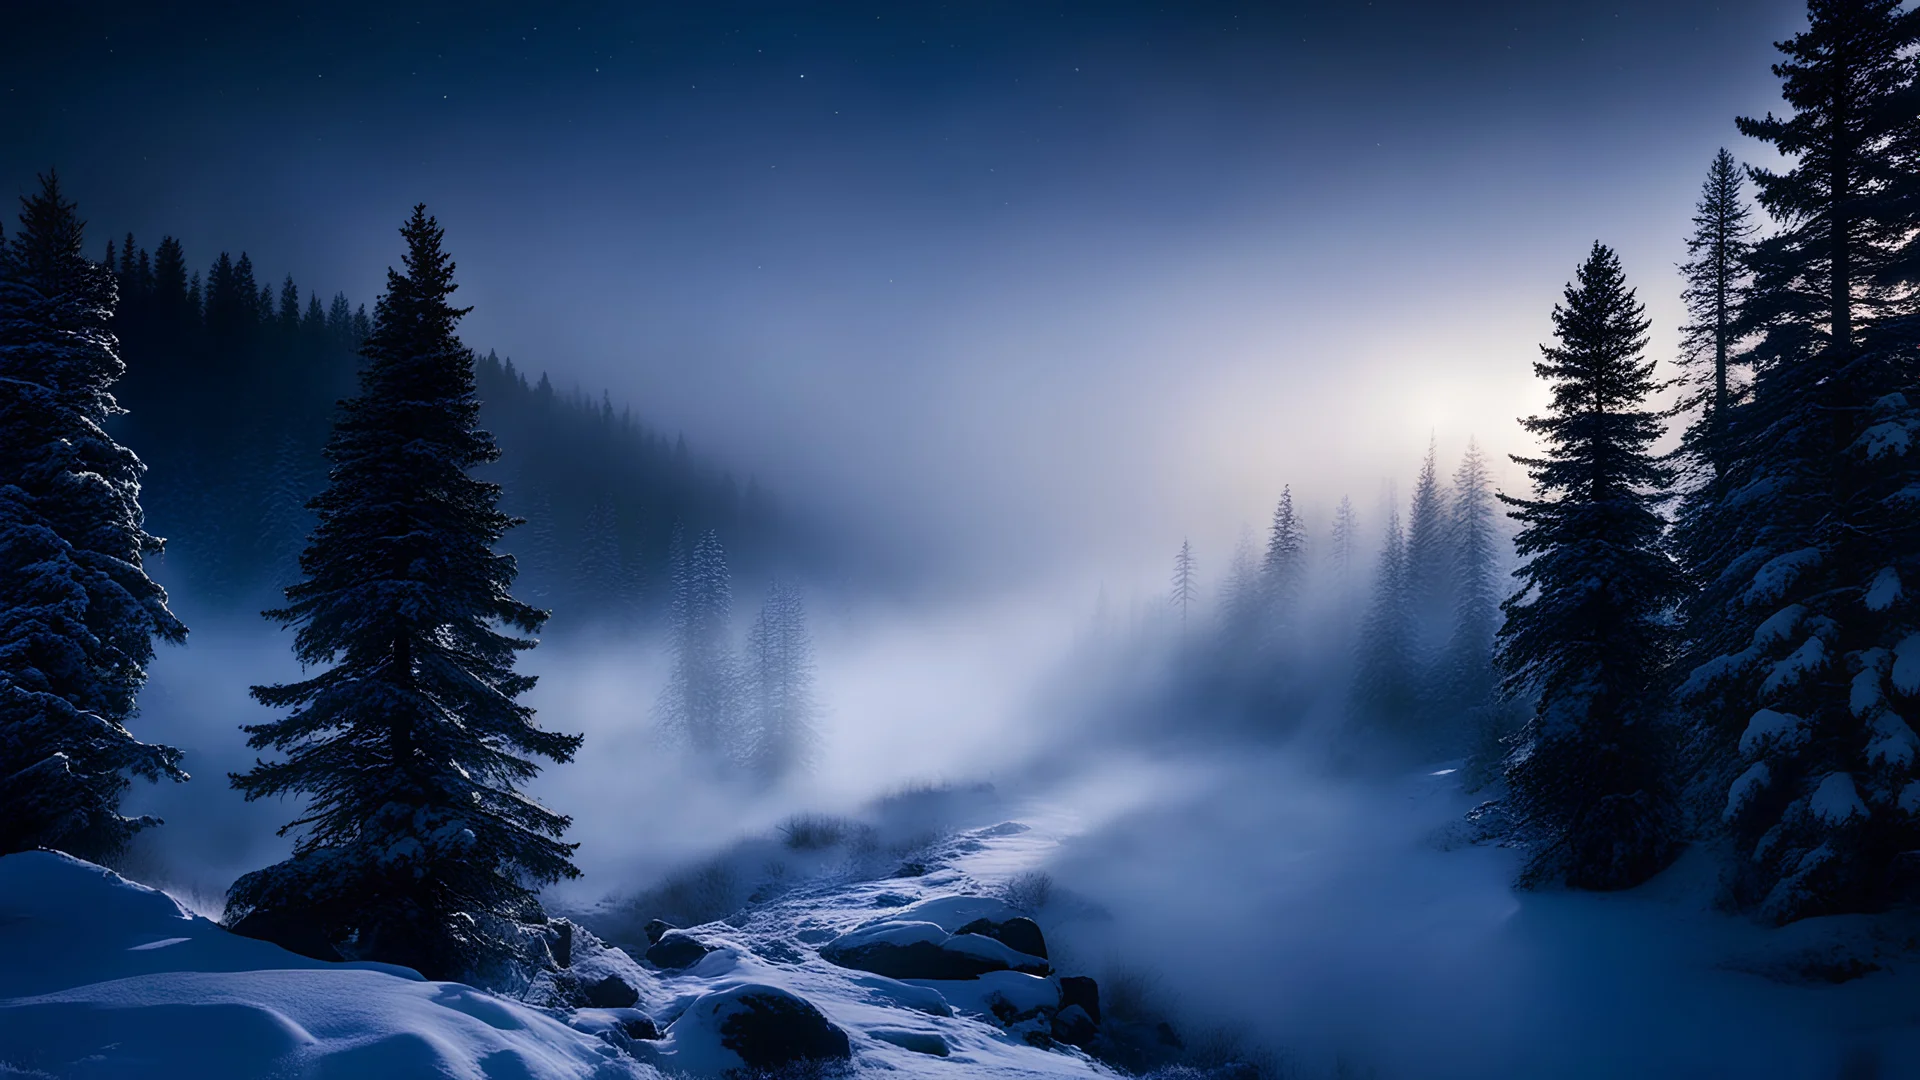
<point>676,950</point>
<point>920,1042</point>
<point>640,1027</point>
<point>657,929</point>
<point>767,1027</point>
<point>611,992</point>
<point>561,944</point>
<point>1074,1027</point>
<point>911,869</point>
<point>922,950</point>
<point>1006,828</point>
<point>1019,933</point>
<point>1082,991</point>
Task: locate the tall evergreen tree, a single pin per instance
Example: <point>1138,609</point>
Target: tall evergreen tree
<point>1467,675</point>
<point>1186,582</point>
<point>1429,565</point>
<point>701,702</point>
<point>779,677</point>
<point>1590,634</point>
<point>1716,277</point>
<point>1344,543</point>
<point>1384,697</point>
<point>1804,636</point>
<point>417,845</point>
<point>78,613</point>
<point>1283,570</point>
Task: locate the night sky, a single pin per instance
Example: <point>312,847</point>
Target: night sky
<point>1001,283</point>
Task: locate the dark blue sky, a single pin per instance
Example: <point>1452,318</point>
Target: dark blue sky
<point>1028,277</point>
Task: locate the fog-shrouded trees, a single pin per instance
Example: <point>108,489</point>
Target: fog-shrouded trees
<point>1590,632</point>
<point>1186,583</point>
<point>778,674</point>
<point>1283,571</point>
<point>1465,676</point>
<point>700,706</point>
<point>78,613</point>
<point>416,844</point>
<point>1387,676</point>
<point>1804,636</point>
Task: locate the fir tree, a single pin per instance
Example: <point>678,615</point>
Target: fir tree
<point>416,845</point>
<point>1186,583</point>
<point>78,613</point>
<point>1283,569</point>
<point>1384,691</point>
<point>1715,273</point>
<point>1428,562</point>
<point>701,702</point>
<point>1344,543</point>
<point>1590,633</point>
<point>1467,665</point>
<point>1808,663</point>
<point>779,691</point>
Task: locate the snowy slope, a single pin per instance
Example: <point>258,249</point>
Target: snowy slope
<point>107,978</point>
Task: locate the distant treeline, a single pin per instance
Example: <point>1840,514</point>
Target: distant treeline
<point>230,390</point>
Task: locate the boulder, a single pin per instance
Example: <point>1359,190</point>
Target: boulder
<point>765,1026</point>
<point>1082,991</point>
<point>675,950</point>
<point>930,1043</point>
<point>1074,1027</point>
<point>640,1027</point>
<point>922,950</point>
<point>1019,933</point>
<point>611,992</point>
<point>657,929</point>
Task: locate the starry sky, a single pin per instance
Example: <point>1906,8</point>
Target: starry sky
<point>1001,284</point>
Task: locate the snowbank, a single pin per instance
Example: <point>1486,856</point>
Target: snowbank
<point>107,978</point>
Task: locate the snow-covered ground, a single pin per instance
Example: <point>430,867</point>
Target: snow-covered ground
<point>108,978</point>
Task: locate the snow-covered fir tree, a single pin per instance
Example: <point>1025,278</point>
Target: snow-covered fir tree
<point>416,844</point>
<point>1186,582</point>
<point>701,703</point>
<point>778,670</point>
<point>1805,632</point>
<point>1466,673</point>
<point>1590,634</point>
<point>78,613</point>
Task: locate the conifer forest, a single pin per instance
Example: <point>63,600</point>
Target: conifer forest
<point>765,541</point>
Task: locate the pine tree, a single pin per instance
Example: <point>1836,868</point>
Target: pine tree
<point>1590,634</point>
<point>1716,277</point>
<point>1808,663</point>
<point>701,703</point>
<point>1283,571</point>
<point>779,677</point>
<point>1467,674</point>
<point>78,613</point>
<point>1344,543</point>
<point>1384,697</point>
<point>1429,564</point>
<point>1241,605</point>
<point>416,845</point>
<point>1186,583</point>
